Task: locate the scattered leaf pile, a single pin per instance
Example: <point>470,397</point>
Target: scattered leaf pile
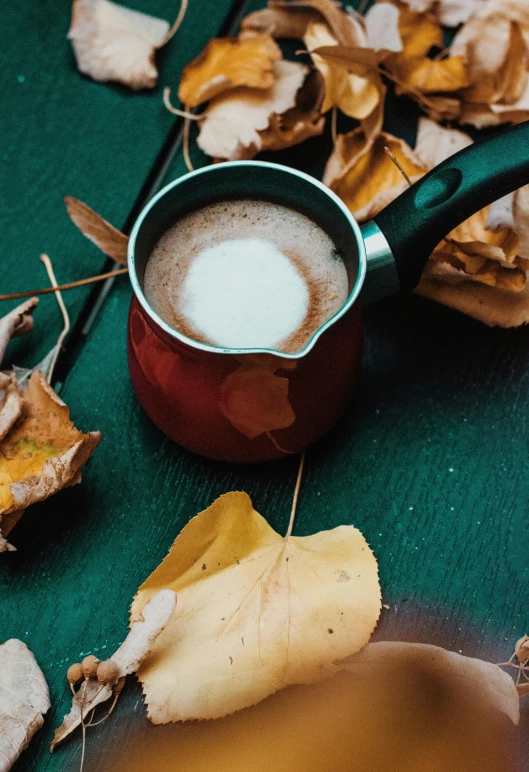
<point>100,681</point>
<point>255,100</point>
<point>41,451</point>
<point>24,699</point>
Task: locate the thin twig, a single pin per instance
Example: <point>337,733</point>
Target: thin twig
<point>296,494</point>
<point>407,88</point>
<point>334,116</point>
<point>397,164</point>
<point>187,158</point>
<point>175,110</point>
<point>62,287</point>
<point>83,727</point>
<point>64,311</point>
<point>178,22</point>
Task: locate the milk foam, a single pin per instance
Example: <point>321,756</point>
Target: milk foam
<point>244,293</point>
<point>246,274</point>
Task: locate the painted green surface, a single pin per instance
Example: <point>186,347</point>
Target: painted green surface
<point>431,462</point>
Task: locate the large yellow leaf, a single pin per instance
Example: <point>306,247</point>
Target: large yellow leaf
<point>226,63</point>
<point>255,611</point>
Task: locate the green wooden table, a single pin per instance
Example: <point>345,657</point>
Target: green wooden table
<point>431,461</point>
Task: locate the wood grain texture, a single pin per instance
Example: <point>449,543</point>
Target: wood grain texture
<point>431,462</point>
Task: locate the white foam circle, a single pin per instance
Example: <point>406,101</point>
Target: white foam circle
<point>244,293</point>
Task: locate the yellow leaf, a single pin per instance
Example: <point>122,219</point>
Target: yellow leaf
<point>27,460</point>
<point>227,63</point>
<point>255,611</point>
<point>352,86</point>
<point>364,176</point>
<point>431,75</point>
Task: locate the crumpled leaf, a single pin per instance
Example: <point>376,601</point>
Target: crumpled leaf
<point>254,398</point>
<point>43,452</point>
<point>256,611</point>
<point>495,43</point>
<point>352,81</point>
<point>227,63</point>
<point>24,698</point>
<point>17,322</point>
<point>243,122</point>
<point>110,241</point>
<point>364,176</point>
<point>487,682</point>
<point>114,43</point>
<point>451,13</point>
<point>419,75</point>
<point>144,630</point>
<point>290,19</point>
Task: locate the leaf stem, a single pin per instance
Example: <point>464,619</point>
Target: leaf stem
<point>175,110</point>
<point>397,163</point>
<point>176,25</point>
<point>66,319</point>
<point>61,287</point>
<point>295,499</point>
<point>187,157</point>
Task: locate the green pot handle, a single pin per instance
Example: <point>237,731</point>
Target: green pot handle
<point>420,217</point>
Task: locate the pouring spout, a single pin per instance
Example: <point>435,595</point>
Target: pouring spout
<point>382,278</point>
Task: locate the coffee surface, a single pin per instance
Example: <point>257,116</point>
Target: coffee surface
<point>246,274</point>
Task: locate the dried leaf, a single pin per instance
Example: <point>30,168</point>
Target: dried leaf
<point>109,240</point>
<point>233,122</point>
<point>487,683</point>
<point>352,82</point>
<point>290,18</point>
<point>255,399</point>
<point>492,306</point>
<point>10,402</point>
<point>435,143</point>
<point>382,28</point>
<point>17,322</point>
<point>364,176</point>
<point>227,63</point>
<point>451,13</point>
<point>114,43</point>
<point>24,698</point>
<point>144,630</point>
<point>43,452</point>
<point>501,213</point>
<point>256,612</point>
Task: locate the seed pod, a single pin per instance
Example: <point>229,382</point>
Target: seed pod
<point>89,666</point>
<point>107,672</point>
<point>75,673</point>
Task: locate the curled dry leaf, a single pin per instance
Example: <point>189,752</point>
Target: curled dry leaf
<point>24,699</point>
<point>483,681</point>
<point>352,81</point>
<point>109,240</point>
<point>19,321</point>
<point>242,123</point>
<point>255,399</point>
<point>290,19</point>
<point>227,63</point>
<point>43,452</point>
<point>144,630</point>
<point>418,74</point>
<point>114,43</point>
<point>495,44</point>
<point>256,611</point>
<point>364,176</point>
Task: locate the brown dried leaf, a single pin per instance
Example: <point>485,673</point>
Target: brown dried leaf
<point>144,630</point>
<point>227,63</point>
<point>233,123</point>
<point>114,43</point>
<point>364,176</point>
<point>10,402</point>
<point>24,698</point>
<point>488,684</point>
<point>280,21</point>
<point>109,240</point>
<point>352,81</point>
<point>256,611</point>
<point>43,452</point>
<point>492,306</point>
<point>17,322</point>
